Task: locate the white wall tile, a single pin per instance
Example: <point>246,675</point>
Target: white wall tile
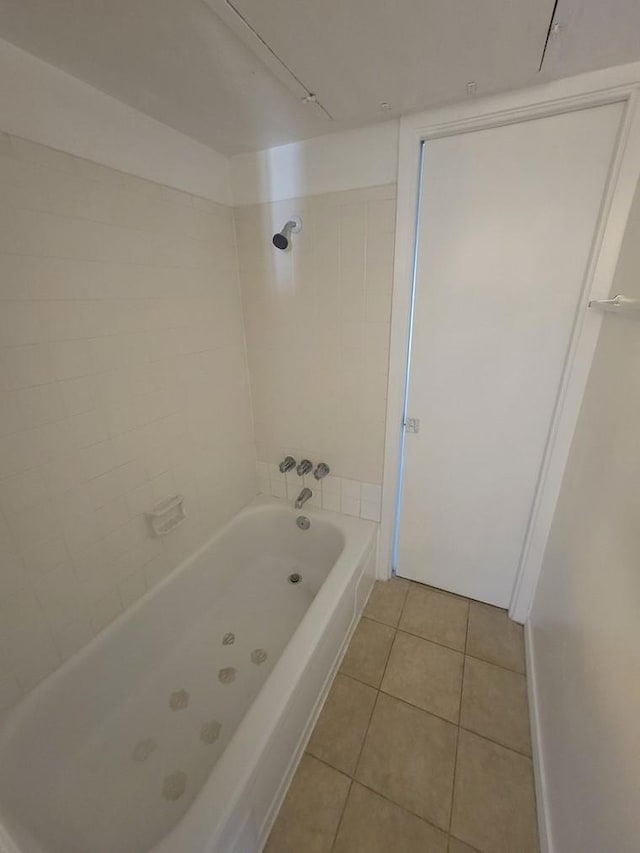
<point>120,329</point>
<point>105,609</point>
<point>317,327</point>
<point>132,588</point>
<point>72,358</point>
<point>112,515</point>
<point>19,324</point>
<point>91,427</point>
<point>132,475</point>
<point>278,488</point>
<point>331,501</point>
<point>22,491</point>
<point>73,636</point>
<point>32,656</point>
<point>23,366</point>
<point>79,395</point>
<point>370,510</point>
<point>16,453</point>
<point>371,493</point>
<point>350,490</point>
<point>62,474</point>
<point>9,690</point>
<point>350,506</point>
<point>98,459</point>
<point>10,418</point>
<point>44,556</point>
<point>40,404</point>
<point>60,320</point>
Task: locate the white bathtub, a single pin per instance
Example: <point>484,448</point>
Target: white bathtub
<point>177,729</point>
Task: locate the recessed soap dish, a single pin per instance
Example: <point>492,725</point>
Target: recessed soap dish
<point>167,514</point>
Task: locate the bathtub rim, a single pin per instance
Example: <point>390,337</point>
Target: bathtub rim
<point>359,538</point>
<point>197,826</point>
<point>13,715</point>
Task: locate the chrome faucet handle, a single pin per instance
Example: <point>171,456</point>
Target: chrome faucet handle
<point>287,464</point>
<point>304,467</point>
<point>321,471</point>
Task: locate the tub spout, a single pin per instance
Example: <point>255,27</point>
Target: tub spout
<point>303,497</point>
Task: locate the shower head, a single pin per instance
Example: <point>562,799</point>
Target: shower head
<point>281,239</point>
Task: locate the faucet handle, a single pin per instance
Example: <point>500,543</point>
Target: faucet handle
<point>304,467</point>
<point>321,471</point>
<point>287,464</point>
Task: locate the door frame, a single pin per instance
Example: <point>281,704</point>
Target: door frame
<point>614,85</point>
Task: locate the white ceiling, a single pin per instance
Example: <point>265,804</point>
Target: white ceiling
<point>233,76</point>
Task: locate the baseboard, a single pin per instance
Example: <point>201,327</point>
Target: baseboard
<point>542,800</point>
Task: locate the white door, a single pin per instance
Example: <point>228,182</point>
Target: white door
<point>507,221</point>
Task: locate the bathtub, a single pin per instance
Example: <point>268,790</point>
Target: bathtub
<point>177,729</point>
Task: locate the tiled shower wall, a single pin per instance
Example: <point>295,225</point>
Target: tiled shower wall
<point>122,380</point>
<point>317,323</point>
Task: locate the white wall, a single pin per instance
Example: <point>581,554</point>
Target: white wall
<point>47,105</point>
<point>585,622</point>
<point>317,323</point>
<point>317,316</point>
<point>354,159</point>
<point>123,380</point>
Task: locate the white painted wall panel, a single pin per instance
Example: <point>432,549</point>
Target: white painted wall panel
<point>585,630</point>
<point>47,105</point>
<point>354,159</point>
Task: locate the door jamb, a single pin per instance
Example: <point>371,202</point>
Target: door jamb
<point>621,84</point>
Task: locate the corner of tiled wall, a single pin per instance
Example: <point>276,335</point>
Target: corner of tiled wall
<point>124,378</point>
<point>317,321</point>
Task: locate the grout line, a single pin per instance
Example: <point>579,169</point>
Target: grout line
<point>429,640</point>
<point>497,742</point>
<point>420,708</point>
<point>498,665</point>
<point>386,663</point>
<point>352,777</point>
<point>455,838</point>
<point>404,808</point>
<point>357,762</point>
<point>455,759</point>
<point>342,811</point>
<point>326,764</point>
<point>377,621</point>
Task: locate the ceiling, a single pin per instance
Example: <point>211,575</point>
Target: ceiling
<point>233,73</point>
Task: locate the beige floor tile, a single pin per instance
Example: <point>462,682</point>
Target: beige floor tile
<point>494,704</point>
<point>311,811</point>
<point>456,846</point>
<point>435,616</point>
<point>368,651</point>
<point>494,637</point>
<point>425,674</point>
<point>408,756</point>
<point>371,824</point>
<point>386,601</point>
<point>494,801</point>
<point>338,735</point>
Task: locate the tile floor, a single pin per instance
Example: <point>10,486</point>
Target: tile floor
<point>423,743</point>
